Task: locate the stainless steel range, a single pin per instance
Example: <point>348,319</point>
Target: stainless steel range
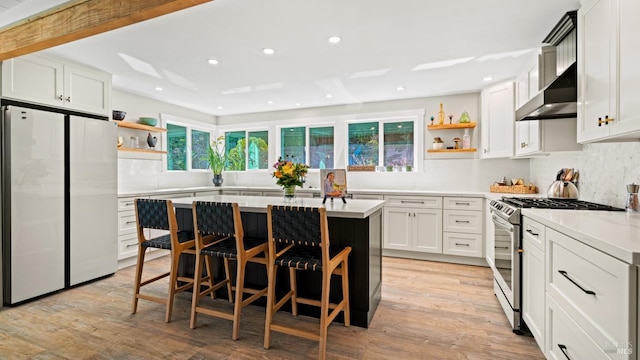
<point>506,262</point>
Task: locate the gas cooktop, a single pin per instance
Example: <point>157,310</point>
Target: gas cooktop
<point>546,203</point>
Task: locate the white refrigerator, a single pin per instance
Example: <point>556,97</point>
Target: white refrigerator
<point>59,200</point>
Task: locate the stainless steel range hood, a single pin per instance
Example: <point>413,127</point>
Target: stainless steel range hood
<point>559,99</point>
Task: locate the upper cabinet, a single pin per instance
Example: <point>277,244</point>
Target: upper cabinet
<point>498,118</point>
<point>46,81</point>
<point>608,109</point>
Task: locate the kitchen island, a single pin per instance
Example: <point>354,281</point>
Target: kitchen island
<point>357,223</point>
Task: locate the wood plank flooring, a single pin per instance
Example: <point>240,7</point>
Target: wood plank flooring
<point>429,310</point>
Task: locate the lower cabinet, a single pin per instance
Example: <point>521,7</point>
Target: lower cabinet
<point>463,222</point>
<point>413,224</point>
<point>533,279</point>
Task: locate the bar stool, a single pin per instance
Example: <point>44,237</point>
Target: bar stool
<point>219,233</point>
<point>160,214</point>
<point>299,240</point>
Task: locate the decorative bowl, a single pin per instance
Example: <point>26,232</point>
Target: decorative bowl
<point>438,145</point>
<point>148,121</point>
<point>118,115</point>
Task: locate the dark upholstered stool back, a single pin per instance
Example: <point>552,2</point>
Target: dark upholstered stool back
<point>296,225</point>
<point>152,214</point>
<point>214,218</point>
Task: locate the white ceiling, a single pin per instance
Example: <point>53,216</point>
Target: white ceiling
<point>456,42</point>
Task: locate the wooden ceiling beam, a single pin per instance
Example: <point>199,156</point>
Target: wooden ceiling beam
<point>80,19</point>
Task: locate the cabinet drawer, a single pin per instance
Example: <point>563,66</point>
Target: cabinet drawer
<point>534,232</point>
<point>462,203</point>
<point>462,244</point>
<point>368,196</point>
<point>469,222</point>
<point>565,339</point>
<point>431,202</point>
<point>126,222</point>
<point>127,246</point>
<point>592,287</point>
<point>126,203</point>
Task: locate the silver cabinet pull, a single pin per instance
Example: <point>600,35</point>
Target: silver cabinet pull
<point>411,202</point>
<point>131,245</point>
<point>462,221</point>
<point>68,99</point>
<point>463,203</point>
<point>130,222</point>
<point>459,244</point>
<point>564,273</point>
<point>532,233</point>
<point>60,97</point>
<point>501,247</point>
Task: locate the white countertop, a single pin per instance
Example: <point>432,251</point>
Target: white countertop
<point>355,209</point>
<point>616,233</point>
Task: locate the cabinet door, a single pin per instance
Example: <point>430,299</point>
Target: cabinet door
<point>32,78</point>
<point>596,85</point>
<point>498,117</point>
<point>86,90</point>
<point>427,226</point>
<point>489,237</point>
<point>528,137</point>
<point>629,72</point>
<point>533,292</point>
<point>397,228</point>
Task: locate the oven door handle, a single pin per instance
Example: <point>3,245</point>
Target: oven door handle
<point>502,223</point>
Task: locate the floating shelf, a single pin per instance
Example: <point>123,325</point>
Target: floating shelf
<point>131,125</point>
<point>451,150</point>
<point>469,125</point>
<point>142,150</point>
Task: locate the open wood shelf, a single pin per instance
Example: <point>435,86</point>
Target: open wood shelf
<point>137,126</point>
<point>469,125</point>
<point>451,150</point>
<point>142,150</point>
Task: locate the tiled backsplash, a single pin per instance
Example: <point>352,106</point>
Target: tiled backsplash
<point>604,169</point>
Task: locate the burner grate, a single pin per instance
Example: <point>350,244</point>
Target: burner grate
<point>546,203</point>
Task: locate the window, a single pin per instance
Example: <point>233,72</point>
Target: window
<point>176,147</point>
<point>242,156</point>
<point>293,144</point>
<point>397,148</point>
<point>363,143</point>
<point>186,145</point>
<point>321,147</point>
<point>199,142</point>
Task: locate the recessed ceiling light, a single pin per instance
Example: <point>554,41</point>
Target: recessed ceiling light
<point>297,104</point>
<point>487,78</point>
<point>334,39</point>
<point>400,88</point>
<point>268,51</point>
<point>269,102</point>
<point>158,88</point>
<point>213,61</point>
<point>328,96</point>
<point>220,108</point>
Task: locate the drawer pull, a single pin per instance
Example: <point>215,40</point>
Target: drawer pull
<point>462,221</point>
<point>411,202</point>
<point>130,222</point>
<point>132,245</point>
<point>564,273</point>
<point>128,204</point>
<point>532,233</point>
<point>459,244</point>
<point>501,247</point>
<point>564,351</point>
<point>463,203</point>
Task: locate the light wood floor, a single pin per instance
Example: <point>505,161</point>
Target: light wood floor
<point>429,310</point>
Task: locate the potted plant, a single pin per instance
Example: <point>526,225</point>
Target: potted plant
<point>217,159</point>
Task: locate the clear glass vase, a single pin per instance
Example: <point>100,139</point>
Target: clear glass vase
<point>290,193</point>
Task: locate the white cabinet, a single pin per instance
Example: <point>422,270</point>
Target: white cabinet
<point>127,236</point>
<point>413,223</point>
<point>607,71</point>
<point>533,279</point>
<point>462,227</point>
<point>498,117</point>
<point>46,81</point>
<point>539,137</point>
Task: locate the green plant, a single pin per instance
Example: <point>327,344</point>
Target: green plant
<point>215,152</point>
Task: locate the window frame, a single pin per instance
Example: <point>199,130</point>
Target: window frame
<point>222,133</point>
<point>307,140</point>
<point>189,125</point>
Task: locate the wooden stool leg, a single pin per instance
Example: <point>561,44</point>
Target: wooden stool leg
<point>345,292</point>
<point>228,279</point>
<point>241,264</point>
<point>210,280</point>
<point>173,283</point>
<point>324,314</point>
<point>138,279</point>
<point>195,299</point>
<point>271,299</point>
<point>294,289</point>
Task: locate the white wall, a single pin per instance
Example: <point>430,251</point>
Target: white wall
<point>604,169</point>
<point>146,172</point>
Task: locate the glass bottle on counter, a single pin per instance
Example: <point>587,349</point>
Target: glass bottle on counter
<point>466,140</point>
